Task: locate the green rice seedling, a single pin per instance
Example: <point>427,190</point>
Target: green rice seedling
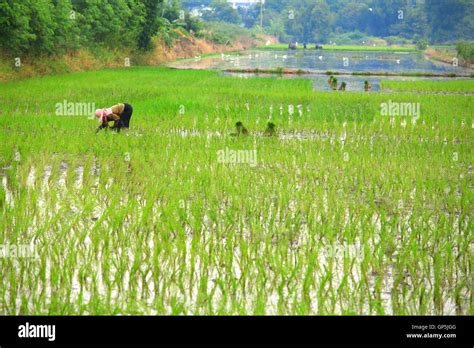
<point>346,211</point>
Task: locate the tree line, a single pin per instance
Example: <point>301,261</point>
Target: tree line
<point>437,21</point>
<point>59,26</point>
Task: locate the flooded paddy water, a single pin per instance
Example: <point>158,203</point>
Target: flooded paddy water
<point>342,260</point>
<point>316,64</point>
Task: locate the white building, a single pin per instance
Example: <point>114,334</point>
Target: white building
<point>244,3</point>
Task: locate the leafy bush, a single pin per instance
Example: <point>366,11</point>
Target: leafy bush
<point>397,40</point>
<point>466,51</point>
<point>223,33</point>
<point>421,43</point>
<point>351,38</point>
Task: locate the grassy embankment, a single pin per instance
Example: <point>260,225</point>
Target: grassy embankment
<point>217,39</point>
<point>436,86</point>
<point>446,54</point>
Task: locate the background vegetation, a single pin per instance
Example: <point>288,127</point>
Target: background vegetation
<point>332,20</point>
<point>58,26</point>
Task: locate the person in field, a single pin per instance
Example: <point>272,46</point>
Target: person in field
<point>120,114</point>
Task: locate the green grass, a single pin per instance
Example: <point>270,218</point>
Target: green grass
<point>359,214</point>
<point>344,48</point>
<point>458,86</point>
<point>447,48</point>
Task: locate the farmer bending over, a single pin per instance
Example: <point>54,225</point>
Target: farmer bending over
<point>120,114</point>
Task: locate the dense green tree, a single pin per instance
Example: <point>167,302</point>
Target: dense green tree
<point>15,31</point>
<point>43,25</point>
<point>28,25</point>
<point>308,20</point>
<point>466,51</point>
<point>250,17</point>
<point>132,26</point>
<point>451,20</point>
<point>438,20</point>
<point>67,33</point>
<point>412,21</point>
<point>192,23</point>
<point>150,25</point>
<point>320,22</point>
<point>101,21</point>
<point>170,10</point>
<point>222,12</point>
<point>352,17</point>
<point>57,26</point>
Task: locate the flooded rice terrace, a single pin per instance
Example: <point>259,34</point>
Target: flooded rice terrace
<point>317,62</point>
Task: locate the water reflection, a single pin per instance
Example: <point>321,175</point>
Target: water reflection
<point>320,61</point>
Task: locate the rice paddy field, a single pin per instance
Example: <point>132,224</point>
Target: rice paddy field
<point>429,86</point>
<point>345,211</point>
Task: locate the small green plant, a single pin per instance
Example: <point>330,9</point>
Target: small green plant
<point>367,86</point>
<point>332,82</point>
<point>240,130</point>
<point>271,129</point>
<point>421,43</point>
